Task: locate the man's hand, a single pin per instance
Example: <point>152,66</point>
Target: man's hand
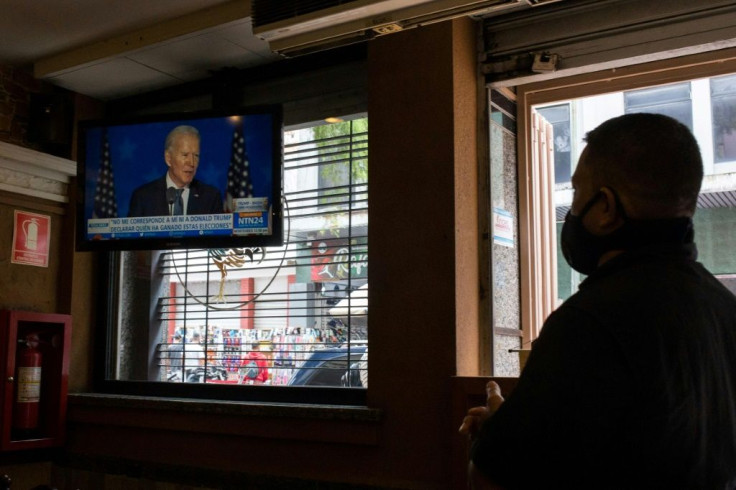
<point>477,415</point>
<point>471,426</point>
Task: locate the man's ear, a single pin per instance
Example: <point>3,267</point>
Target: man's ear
<point>609,215</point>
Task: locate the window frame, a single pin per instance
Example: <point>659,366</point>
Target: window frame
<point>106,359</point>
<point>653,106</point>
<point>632,77</point>
<point>726,166</point>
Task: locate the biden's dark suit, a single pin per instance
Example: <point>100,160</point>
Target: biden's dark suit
<point>150,199</point>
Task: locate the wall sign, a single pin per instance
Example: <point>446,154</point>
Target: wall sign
<point>333,261</point>
<point>503,227</point>
<point>31,236</point>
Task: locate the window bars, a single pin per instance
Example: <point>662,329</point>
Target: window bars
<point>291,315</point>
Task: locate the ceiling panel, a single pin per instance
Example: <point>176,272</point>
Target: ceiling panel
<point>195,57</point>
<point>110,49</point>
<point>116,77</point>
<point>33,29</point>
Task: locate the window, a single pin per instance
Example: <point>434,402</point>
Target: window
<point>225,318</point>
<point>702,96</point>
<point>559,116</point>
<point>671,100</point>
<point>723,108</point>
<point>691,103</point>
<point>674,100</point>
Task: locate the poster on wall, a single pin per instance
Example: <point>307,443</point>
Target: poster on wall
<point>31,234</point>
<point>503,227</point>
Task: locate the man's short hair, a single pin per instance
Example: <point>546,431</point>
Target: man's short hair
<point>183,129</point>
<point>652,159</point>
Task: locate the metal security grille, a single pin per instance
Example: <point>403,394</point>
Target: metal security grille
<point>294,315</point>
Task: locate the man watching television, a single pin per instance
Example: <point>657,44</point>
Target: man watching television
<point>630,384</point>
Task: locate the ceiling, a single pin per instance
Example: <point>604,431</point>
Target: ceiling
<point>111,49</point>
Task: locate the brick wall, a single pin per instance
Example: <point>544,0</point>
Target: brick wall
<point>16,86</point>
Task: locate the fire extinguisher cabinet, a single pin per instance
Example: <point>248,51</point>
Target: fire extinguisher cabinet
<point>34,376</point>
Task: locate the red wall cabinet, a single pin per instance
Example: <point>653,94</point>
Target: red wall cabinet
<point>34,376</point>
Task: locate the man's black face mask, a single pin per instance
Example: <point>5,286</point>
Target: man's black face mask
<point>583,250</point>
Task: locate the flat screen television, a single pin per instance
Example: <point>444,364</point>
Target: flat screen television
<point>227,165</point>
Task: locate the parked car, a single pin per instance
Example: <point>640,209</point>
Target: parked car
<point>335,366</point>
<point>199,374</point>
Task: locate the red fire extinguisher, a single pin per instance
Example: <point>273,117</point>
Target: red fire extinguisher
<point>27,385</point>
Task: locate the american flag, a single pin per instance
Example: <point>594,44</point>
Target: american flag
<point>106,206</point>
<point>238,174</point>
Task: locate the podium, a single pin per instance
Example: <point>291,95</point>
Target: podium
<point>34,378</point>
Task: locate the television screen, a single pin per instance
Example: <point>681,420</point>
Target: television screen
<point>192,180</point>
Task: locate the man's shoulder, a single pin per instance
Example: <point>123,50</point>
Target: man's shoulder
<point>647,298</point>
<point>641,277</point>
<point>203,187</point>
<point>665,278</point>
<point>153,184</point>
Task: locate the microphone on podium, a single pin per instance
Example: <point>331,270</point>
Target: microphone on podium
<point>171,197</point>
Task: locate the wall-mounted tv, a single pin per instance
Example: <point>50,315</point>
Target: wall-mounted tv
<point>186,180</point>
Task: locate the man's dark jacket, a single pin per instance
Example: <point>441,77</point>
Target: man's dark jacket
<point>631,384</point>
